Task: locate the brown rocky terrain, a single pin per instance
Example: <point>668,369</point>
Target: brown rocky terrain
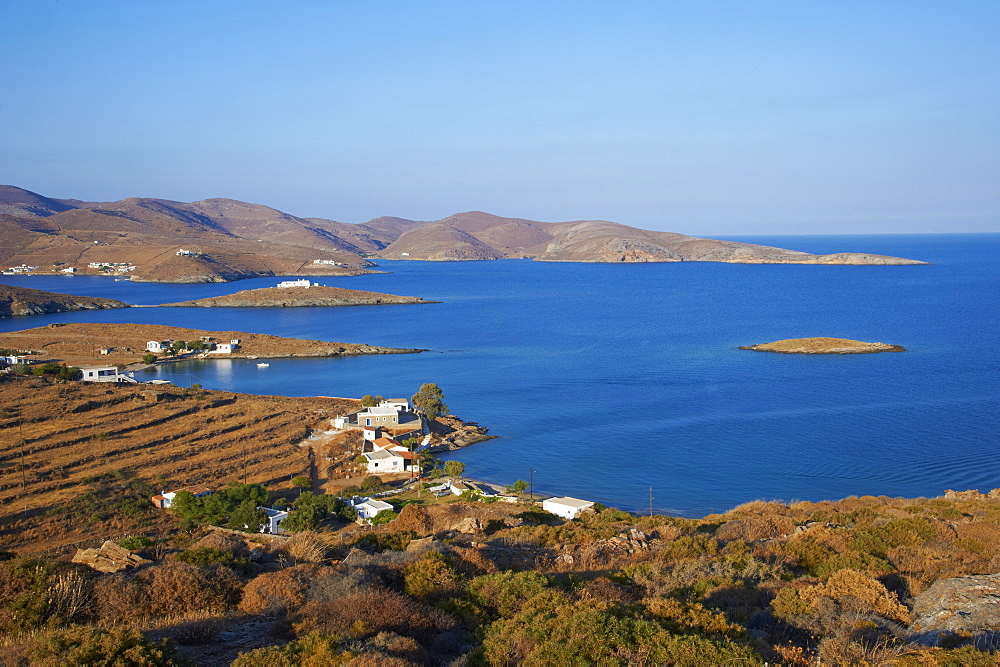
<point>823,346</point>
<point>231,240</point>
<point>287,297</point>
<point>477,235</point>
<point>75,343</point>
<point>169,438</point>
<point>17,301</point>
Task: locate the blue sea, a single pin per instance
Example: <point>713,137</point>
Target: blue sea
<point>606,381</point>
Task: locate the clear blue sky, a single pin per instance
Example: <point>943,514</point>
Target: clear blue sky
<point>707,117</point>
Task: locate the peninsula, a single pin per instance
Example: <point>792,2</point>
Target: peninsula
<point>119,343</point>
<point>19,301</point>
<point>823,346</point>
<point>291,297</point>
<point>219,240</point>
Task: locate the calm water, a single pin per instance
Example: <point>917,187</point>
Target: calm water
<point>611,379</point>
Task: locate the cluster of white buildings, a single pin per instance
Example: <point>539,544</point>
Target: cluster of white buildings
<point>119,267</point>
<point>298,283</point>
<point>328,262</point>
<point>161,346</point>
<point>14,270</point>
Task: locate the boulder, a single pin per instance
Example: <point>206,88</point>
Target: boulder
<point>109,558</point>
<point>966,605</point>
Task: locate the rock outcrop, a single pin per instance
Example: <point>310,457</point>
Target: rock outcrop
<point>962,605</point>
<point>20,301</point>
<point>109,558</point>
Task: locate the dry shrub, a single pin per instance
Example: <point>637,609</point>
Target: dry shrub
<point>926,564</point>
<point>371,611</point>
<point>338,583</point>
<point>195,629</point>
<point>759,507</point>
<point>847,650</point>
<point>379,659</point>
<point>850,589</point>
<point>471,562</point>
<point>753,528</point>
<point>432,578</point>
<point>121,599</point>
<point>680,617</point>
<point>179,586</point>
<point>275,592</point>
<point>986,533</point>
<point>416,519</point>
<point>216,539</point>
<point>307,547</point>
<point>70,595</point>
<point>605,590</point>
<point>791,655</point>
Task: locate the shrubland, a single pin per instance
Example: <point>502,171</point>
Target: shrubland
<point>502,584</point>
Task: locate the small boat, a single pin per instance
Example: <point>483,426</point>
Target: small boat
<point>263,365</point>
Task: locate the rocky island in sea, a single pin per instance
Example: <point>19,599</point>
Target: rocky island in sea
<point>823,346</point>
<point>299,296</point>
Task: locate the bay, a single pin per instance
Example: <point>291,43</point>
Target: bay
<point>609,380</point>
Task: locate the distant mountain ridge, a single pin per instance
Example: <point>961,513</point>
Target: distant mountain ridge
<point>228,239</point>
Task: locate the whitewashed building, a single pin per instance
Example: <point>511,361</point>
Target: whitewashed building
<point>105,374</point>
<point>295,283</point>
<point>274,519</point>
<point>158,345</point>
<point>566,507</point>
<point>368,508</point>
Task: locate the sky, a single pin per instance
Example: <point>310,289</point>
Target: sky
<point>720,117</point>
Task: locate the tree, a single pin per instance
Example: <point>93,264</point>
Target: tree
<point>196,345</point>
<point>369,401</point>
<point>149,358</point>
<point>454,468</point>
<point>518,486</point>
<point>303,482</point>
<point>430,400</point>
<point>385,516</point>
<point>247,516</point>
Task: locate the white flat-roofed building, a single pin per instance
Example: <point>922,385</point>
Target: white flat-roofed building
<point>295,283</point>
<point>105,374</point>
<point>566,507</point>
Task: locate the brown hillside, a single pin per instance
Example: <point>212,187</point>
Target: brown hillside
<point>81,342</point>
<point>168,438</point>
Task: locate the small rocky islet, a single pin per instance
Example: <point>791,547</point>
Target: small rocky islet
<point>822,345</point>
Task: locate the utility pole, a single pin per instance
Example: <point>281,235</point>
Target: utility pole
<point>650,501</point>
<point>244,464</point>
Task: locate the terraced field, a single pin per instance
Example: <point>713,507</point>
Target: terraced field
<point>58,442</point>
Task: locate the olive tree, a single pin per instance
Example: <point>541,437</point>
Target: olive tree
<point>430,400</point>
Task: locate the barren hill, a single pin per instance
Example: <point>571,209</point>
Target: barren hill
<point>478,235</point>
<point>172,438</point>
<point>228,240</point>
<point>24,301</point>
<point>81,342</point>
<point>823,346</point>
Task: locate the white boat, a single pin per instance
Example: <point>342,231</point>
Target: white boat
<point>263,365</point>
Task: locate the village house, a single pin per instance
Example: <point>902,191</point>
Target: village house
<point>274,519</point>
<point>12,360</point>
<point>368,508</point>
<point>163,499</point>
<point>383,461</point>
<point>379,417</point>
<point>158,346</point>
<point>225,348</point>
<point>566,507</point>
<point>93,373</point>
<point>296,283</point>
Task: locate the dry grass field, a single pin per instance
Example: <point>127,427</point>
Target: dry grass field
<point>81,342</point>
<point>63,442</point>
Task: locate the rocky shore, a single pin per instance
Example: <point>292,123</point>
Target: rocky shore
<point>20,301</point>
<point>823,346</point>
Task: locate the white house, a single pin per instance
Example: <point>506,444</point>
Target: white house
<point>295,283</point>
<point>12,359</point>
<point>274,519</point>
<point>158,345</point>
<point>225,348</point>
<point>105,374</point>
<point>368,508</point>
<point>566,507</point>
<point>397,404</point>
<point>383,461</point>
<point>371,433</point>
<point>182,251</point>
<point>378,417</point>
<point>68,269</point>
<point>163,500</point>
